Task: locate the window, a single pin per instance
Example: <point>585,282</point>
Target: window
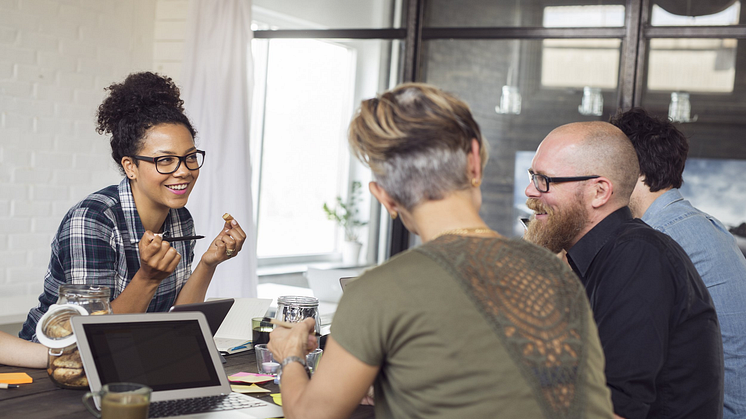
<point>581,62</point>
<point>306,89</point>
<point>308,100</point>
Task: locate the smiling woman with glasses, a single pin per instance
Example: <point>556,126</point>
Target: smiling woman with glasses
<point>166,165</point>
<point>137,238</point>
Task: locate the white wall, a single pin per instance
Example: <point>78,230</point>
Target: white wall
<point>56,57</point>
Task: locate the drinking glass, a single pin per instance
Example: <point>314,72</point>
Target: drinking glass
<point>265,363</point>
<point>120,401</point>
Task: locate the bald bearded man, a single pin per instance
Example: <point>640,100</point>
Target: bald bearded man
<point>656,320</point>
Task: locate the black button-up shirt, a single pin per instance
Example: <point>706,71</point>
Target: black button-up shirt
<point>656,321</point>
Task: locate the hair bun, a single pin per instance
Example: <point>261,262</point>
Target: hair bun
<point>140,94</point>
<point>142,101</point>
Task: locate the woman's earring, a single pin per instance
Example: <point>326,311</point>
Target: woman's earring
<point>394,215</point>
<point>475,182</point>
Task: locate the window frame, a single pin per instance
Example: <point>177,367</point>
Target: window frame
<point>634,35</point>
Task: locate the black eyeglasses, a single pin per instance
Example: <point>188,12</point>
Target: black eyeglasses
<point>541,182</point>
<point>166,165</point>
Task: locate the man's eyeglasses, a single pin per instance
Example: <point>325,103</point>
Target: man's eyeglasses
<point>166,165</point>
<point>541,182</point>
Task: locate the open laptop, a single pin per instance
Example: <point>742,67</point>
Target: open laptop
<point>172,353</point>
<point>346,280</point>
<point>214,311</point>
<point>325,286</point>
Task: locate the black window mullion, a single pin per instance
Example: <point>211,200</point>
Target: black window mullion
<point>630,55</point>
<point>521,33</point>
<point>398,235</point>
<point>332,33</point>
<point>734,31</point>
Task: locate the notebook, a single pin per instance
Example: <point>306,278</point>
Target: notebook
<point>214,311</point>
<point>172,353</point>
<point>235,334</point>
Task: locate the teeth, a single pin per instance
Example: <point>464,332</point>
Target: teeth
<point>177,187</point>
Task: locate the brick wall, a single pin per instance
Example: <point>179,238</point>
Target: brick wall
<point>56,57</point>
<point>170,30</point>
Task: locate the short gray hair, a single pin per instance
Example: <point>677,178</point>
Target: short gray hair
<point>423,175</point>
<point>416,140</point>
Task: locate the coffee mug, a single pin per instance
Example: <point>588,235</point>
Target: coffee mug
<point>120,401</point>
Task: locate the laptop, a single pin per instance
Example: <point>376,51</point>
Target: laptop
<point>214,311</point>
<point>325,286</point>
<point>172,353</point>
<point>346,280</point>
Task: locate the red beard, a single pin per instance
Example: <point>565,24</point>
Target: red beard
<point>560,228</point>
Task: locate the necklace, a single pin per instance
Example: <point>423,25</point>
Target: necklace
<point>462,231</point>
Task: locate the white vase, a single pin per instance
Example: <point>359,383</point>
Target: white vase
<point>351,253</point>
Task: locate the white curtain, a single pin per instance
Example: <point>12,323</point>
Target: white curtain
<point>216,78</point>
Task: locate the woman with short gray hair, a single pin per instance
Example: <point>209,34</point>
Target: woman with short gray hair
<point>470,324</point>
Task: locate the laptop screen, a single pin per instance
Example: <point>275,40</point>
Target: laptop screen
<point>164,355</point>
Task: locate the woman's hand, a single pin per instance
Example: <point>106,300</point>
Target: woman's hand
<point>158,259</point>
<point>298,341</point>
<point>226,245</point>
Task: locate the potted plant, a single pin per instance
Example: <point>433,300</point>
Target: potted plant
<point>346,216</point>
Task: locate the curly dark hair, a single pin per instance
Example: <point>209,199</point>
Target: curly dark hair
<point>140,102</point>
<point>661,148</point>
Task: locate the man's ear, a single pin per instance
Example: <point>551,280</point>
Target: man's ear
<point>383,197</point>
<point>602,191</point>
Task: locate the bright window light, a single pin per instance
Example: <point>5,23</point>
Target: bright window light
<point>583,16</point>
<point>304,158</point>
<point>729,16</point>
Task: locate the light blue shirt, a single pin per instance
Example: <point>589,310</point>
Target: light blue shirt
<point>722,266</point>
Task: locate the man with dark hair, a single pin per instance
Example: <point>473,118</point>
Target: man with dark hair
<point>662,150</point>
<point>656,320</point>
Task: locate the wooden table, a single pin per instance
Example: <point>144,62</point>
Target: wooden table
<point>44,400</point>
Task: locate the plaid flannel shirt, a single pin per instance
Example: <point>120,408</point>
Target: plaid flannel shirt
<point>96,244</point>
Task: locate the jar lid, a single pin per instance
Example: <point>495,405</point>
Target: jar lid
<point>83,291</point>
<point>298,300</point>
<point>54,329</point>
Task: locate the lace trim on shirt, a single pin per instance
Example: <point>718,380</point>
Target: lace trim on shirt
<point>533,310</point>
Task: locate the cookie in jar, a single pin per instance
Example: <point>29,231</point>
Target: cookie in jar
<point>64,366</point>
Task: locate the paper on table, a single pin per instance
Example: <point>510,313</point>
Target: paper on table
<point>277,398</point>
<point>15,378</point>
<point>236,327</point>
<point>248,389</point>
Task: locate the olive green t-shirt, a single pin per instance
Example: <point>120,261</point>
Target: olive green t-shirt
<point>470,327</point>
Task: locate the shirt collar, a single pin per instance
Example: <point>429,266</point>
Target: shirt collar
<point>669,197</point>
<point>132,218</point>
<point>585,250</point>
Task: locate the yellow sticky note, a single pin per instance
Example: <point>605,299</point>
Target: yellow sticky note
<point>277,398</point>
<point>16,378</point>
<point>248,389</point>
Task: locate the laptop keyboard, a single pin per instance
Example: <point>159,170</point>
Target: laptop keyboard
<point>180,407</point>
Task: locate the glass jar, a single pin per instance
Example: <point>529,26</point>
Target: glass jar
<point>64,366</point>
<point>295,308</point>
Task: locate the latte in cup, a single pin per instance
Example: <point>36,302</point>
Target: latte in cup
<point>124,406</point>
